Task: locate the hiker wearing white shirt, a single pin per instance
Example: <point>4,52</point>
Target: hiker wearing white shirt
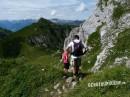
<point>76,47</point>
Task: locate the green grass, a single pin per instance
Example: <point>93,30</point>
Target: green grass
<point>119,11</point>
<point>103,2</point>
<point>4,33</point>
<point>117,73</point>
<point>23,76</point>
<point>11,47</point>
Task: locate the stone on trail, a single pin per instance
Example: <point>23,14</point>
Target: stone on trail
<point>43,69</point>
<point>74,83</point>
<point>69,79</point>
<point>80,78</point>
<point>57,85</point>
<point>46,90</point>
<point>70,69</point>
<point>128,63</point>
<point>59,91</point>
<point>51,93</point>
<point>64,88</point>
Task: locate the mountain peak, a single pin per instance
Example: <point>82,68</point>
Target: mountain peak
<point>43,20</point>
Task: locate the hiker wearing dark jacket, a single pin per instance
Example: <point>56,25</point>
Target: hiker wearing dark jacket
<point>77,50</point>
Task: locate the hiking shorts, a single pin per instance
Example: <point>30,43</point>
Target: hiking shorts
<point>76,65</point>
<point>66,65</point>
<point>76,62</point>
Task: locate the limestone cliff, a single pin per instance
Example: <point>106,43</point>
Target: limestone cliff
<point>114,17</point>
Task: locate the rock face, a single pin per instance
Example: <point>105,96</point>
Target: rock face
<point>76,31</point>
<point>120,61</point>
<point>109,33</point>
<point>128,63</point>
<point>38,40</point>
<point>110,30</point>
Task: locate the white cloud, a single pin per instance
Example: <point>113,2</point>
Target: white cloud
<point>82,7</point>
<point>53,12</point>
<point>19,9</point>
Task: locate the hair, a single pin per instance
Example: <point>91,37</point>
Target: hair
<point>76,36</point>
<point>68,50</point>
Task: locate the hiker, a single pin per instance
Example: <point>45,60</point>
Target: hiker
<point>65,60</point>
<point>77,50</point>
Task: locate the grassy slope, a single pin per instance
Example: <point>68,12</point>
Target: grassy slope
<point>4,33</point>
<point>23,76</point>
<point>119,11</point>
<point>118,74</point>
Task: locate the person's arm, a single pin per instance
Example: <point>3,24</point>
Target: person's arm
<point>69,47</point>
<point>61,60</point>
<point>85,48</point>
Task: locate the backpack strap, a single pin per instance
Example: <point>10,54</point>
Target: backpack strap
<point>75,42</point>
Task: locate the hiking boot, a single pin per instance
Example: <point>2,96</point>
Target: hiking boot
<point>64,77</point>
<point>74,78</point>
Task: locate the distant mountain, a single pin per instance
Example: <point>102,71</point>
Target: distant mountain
<point>68,22</point>
<point>15,25</point>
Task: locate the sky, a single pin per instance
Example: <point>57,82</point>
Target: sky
<point>49,9</point>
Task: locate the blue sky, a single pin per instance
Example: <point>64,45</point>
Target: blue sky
<point>34,9</point>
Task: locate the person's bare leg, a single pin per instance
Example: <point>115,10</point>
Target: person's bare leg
<point>65,73</point>
<point>74,72</point>
<point>65,70</point>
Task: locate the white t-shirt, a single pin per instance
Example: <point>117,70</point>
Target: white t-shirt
<point>71,45</point>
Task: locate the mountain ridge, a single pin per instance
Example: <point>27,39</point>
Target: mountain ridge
<point>15,25</point>
<point>44,34</point>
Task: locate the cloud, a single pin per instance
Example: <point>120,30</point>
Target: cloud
<point>53,12</point>
<point>34,9</point>
<point>82,7</point>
